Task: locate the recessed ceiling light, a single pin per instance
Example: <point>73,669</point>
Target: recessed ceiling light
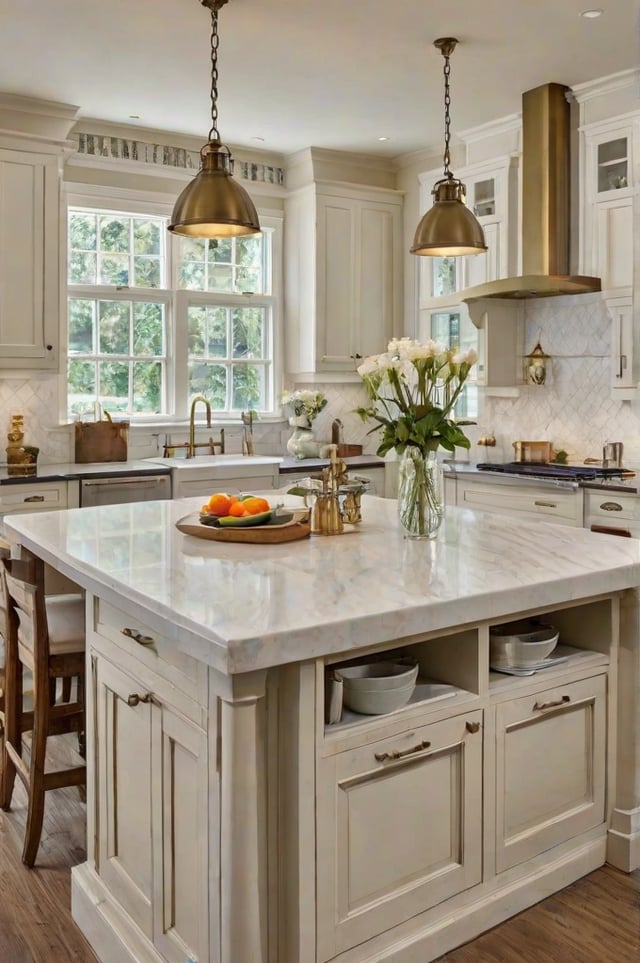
<point>591,14</point>
<point>384,138</point>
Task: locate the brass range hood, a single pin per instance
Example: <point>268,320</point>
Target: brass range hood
<point>545,204</point>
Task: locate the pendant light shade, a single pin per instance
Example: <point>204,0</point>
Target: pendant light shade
<point>449,228</point>
<point>214,205</point>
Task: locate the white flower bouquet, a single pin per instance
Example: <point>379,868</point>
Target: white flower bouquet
<point>413,389</point>
<point>304,403</point>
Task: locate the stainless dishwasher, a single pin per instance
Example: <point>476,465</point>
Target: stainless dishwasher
<point>121,489</point>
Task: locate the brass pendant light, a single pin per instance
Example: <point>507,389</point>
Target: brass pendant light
<point>449,228</point>
<point>214,204</point>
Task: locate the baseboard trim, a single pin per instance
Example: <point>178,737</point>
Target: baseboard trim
<point>111,933</point>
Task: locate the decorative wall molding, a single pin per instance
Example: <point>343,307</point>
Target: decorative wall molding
<point>128,150</point>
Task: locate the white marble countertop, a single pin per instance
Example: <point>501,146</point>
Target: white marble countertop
<point>241,607</point>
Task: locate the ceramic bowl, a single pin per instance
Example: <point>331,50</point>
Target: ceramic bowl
<point>375,702</point>
<point>521,643</point>
<point>379,675</point>
<point>378,687</point>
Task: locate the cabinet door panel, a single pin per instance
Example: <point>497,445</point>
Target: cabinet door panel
<point>615,244</point>
<point>336,271</point>
<point>180,838</point>
<point>397,835</point>
<point>377,280</point>
<point>123,761</point>
<point>480,268</point>
<point>560,731</point>
<point>28,259</point>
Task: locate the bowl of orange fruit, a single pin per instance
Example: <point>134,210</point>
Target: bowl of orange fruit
<point>245,518</point>
<point>235,511</point>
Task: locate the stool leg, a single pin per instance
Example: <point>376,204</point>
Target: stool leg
<point>12,725</point>
<point>66,689</point>
<point>35,810</point>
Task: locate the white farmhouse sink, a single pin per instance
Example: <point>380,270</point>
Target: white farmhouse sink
<point>215,461</point>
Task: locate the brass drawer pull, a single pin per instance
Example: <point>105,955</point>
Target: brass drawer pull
<point>545,504</point>
<point>135,699</point>
<point>34,498</point>
<point>611,507</point>
<point>472,726</point>
<point>138,636</point>
<point>400,753</point>
<point>540,706</point>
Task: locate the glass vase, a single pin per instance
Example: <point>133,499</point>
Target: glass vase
<point>420,505</point>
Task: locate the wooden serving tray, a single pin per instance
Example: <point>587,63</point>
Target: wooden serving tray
<point>298,527</point>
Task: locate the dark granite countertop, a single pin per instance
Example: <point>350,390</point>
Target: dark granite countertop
<point>70,471</point>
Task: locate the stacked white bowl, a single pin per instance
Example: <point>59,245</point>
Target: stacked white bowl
<point>519,645</point>
<point>374,688</point>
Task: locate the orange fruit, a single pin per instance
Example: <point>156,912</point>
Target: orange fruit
<point>219,504</point>
<point>204,510</point>
<point>256,505</point>
<point>238,510</point>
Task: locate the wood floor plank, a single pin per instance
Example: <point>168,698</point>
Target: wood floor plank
<point>596,920</point>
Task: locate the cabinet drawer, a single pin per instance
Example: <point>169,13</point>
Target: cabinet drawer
<point>399,829</point>
<point>40,497</point>
<point>550,768</point>
<point>611,507</point>
<point>161,656</point>
<point>563,507</point>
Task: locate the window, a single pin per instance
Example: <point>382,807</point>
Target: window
<point>457,331</point>
<point>155,319</point>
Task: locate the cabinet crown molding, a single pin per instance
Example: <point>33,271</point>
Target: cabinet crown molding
<point>43,120</point>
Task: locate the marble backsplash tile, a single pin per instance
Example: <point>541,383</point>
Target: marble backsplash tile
<point>574,408</point>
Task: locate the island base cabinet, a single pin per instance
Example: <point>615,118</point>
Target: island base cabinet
<point>550,768</point>
<point>151,814</point>
<point>399,825</point>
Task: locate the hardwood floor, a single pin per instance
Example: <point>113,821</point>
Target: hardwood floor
<point>35,904</point>
<point>596,920</point>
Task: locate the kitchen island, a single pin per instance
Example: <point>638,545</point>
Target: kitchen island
<point>228,821</point>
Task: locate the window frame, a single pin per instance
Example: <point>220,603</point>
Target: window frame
<point>133,202</point>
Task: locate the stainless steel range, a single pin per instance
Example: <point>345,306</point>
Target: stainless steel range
<point>575,473</point>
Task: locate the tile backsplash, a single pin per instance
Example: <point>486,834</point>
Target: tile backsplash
<point>573,409</point>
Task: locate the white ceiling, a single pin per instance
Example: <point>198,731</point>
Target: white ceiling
<point>326,73</point>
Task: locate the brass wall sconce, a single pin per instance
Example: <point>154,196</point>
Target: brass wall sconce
<point>535,366</point>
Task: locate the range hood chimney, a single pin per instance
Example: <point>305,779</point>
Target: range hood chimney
<point>545,204</point>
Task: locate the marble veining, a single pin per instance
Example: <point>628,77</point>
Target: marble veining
<point>242,607</point>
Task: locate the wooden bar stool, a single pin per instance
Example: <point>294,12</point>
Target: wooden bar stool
<point>46,637</point>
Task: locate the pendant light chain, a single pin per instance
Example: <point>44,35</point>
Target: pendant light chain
<point>215,42</point>
<point>214,7</point>
<point>447,116</point>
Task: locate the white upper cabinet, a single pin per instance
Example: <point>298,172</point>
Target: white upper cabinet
<point>343,300</point>
<point>610,213</point>
<point>608,187</point>
<point>29,264</point>
<point>33,142</point>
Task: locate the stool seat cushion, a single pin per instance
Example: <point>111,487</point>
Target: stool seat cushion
<point>65,619</point>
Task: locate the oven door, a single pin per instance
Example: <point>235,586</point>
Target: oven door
<point>123,489</point>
